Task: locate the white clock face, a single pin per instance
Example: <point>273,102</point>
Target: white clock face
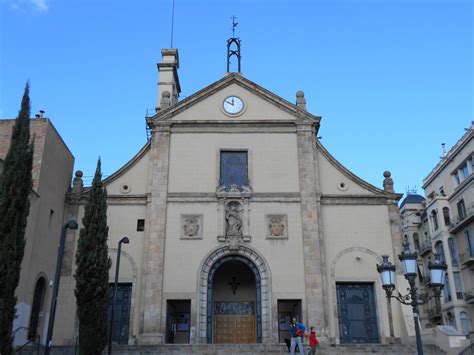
<point>233,105</point>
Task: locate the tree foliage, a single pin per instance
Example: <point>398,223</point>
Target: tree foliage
<point>15,189</point>
<point>92,273</point>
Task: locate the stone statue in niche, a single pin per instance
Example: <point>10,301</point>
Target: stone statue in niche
<point>191,226</point>
<point>277,226</point>
<point>233,217</point>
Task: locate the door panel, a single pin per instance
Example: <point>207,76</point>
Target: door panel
<point>357,314</point>
<point>234,322</point>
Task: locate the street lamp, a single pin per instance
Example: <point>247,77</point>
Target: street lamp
<point>71,224</point>
<point>124,240</point>
<point>413,298</point>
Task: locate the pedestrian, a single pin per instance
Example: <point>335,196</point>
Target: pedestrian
<point>313,342</point>
<point>297,332</point>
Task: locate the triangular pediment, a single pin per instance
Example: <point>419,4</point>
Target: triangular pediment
<point>259,104</point>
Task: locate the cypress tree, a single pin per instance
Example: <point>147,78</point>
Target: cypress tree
<point>92,273</point>
<point>15,189</point>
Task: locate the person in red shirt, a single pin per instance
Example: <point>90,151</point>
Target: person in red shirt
<point>313,342</point>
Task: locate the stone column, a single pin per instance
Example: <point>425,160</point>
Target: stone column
<point>310,228</point>
<point>394,308</point>
<point>152,331</point>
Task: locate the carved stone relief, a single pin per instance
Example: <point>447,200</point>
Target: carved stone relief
<point>277,226</point>
<point>233,218</point>
<point>235,223</point>
<point>191,226</point>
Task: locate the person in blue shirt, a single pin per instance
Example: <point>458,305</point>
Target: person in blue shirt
<point>296,332</point>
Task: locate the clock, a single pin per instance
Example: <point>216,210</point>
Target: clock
<point>233,105</point>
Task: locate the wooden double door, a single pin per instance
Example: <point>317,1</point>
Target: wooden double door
<point>234,322</point>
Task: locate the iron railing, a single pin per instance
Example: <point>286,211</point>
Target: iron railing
<point>468,351</point>
<point>466,256</point>
<point>35,341</point>
<point>457,220</point>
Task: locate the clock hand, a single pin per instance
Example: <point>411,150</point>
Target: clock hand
<point>230,103</point>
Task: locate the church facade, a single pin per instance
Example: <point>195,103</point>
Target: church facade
<point>238,220</point>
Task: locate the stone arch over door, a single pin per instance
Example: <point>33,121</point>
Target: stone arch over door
<point>260,268</point>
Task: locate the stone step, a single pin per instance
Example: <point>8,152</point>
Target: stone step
<point>254,349</point>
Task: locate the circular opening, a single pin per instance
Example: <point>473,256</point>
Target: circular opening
<point>125,187</point>
<point>342,185</point>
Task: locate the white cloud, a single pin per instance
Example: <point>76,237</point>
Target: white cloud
<point>39,5</point>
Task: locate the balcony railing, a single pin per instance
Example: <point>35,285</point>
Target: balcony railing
<point>461,220</point>
<point>469,296</point>
<point>425,247</point>
<point>466,257</point>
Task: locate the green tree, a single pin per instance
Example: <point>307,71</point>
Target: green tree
<point>92,273</point>
<point>15,189</point>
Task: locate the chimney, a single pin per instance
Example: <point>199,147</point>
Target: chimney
<point>168,81</point>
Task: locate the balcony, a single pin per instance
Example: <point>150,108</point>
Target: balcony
<point>425,247</point>
<point>461,220</point>
<point>467,257</point>
<point>469,296</point>
<point>434,314</point>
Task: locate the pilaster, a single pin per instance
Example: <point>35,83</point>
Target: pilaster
<point>151,330</point>
<point>313,262</point>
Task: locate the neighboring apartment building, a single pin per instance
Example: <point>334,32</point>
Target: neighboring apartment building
<point>444,224</point>
<point>52,170</point>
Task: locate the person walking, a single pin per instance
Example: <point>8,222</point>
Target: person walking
<point>296,331</point>
<point>313,342</point>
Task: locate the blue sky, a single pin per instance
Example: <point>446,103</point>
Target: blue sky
<point>392,80</point>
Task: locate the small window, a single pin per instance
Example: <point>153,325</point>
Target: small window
<point>446,290</point>
<point>469,241</point>
<point>461,210</point>
<point>140,225</point>
<point>447,220</point>
<point>1,166</point>
<point>440,250</point>
<point>457,180</point>
<point>434,220</point>
<point>458,285</point>
<point>233,168</point>
<point>465,171</point>
<point>454,252</point>
<point>465,322</point>
<point>416,241</point>
<point>450,320</point>
<point>441,191</point>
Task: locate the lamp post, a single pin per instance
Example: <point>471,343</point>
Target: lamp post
<point>124,240</point>
<point>413,298</point>
<point>71,224</point>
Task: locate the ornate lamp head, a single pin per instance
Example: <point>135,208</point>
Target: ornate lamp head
<point>408,260</point>
<point>438,274</point>
<point>387,275</point>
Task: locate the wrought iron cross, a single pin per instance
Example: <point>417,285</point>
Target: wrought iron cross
<point>234,25</point>
<point>234,284</point>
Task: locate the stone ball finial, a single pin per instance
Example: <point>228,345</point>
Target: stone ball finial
<point>300,100</point>
<point>388,181</point>
<point>77,183</point>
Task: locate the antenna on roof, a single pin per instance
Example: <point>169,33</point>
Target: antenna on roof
<point>172,25</point>
<point>411,191</point>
